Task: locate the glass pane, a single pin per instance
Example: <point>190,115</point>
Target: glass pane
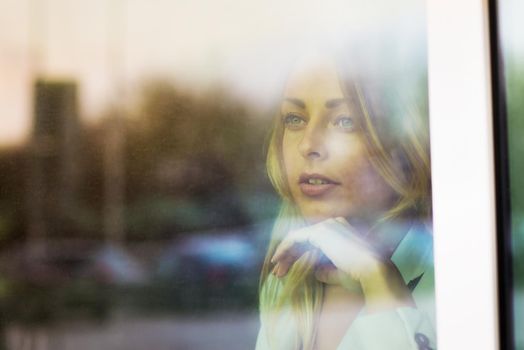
<point>512,39</point>
<point>215,175</point>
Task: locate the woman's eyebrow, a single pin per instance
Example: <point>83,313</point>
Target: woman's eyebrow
<point>335,102</point>
<point>296,102</point>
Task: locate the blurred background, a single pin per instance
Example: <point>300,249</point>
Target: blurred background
<point>512,40</point>
<point>134,205</point>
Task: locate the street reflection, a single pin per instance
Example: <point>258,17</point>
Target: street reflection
<point>136,211</point>
<point>186,256</point>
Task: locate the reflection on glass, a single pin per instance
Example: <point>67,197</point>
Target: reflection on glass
<point>512,39</point>
<point>138,210</point>
<point>351,250</point>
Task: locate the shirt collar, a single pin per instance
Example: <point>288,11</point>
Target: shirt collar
<point>414,254</point>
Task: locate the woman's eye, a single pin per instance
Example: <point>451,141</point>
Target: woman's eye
<point>293,121</point>
<point>345,123</point>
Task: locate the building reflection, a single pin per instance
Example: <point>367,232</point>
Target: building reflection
<point>195,209</point>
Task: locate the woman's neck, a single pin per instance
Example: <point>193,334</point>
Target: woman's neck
<point>340,308</point>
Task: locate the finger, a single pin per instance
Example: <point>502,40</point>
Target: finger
<point>284,265</point>
<point>340,244</point>
<point>281,250</point>
<point>292,239</point>
<point>332,239</point>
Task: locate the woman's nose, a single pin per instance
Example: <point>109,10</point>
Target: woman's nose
<point>312,145</point>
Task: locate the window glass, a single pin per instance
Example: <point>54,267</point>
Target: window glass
<point>215,175</point>
<point>511,40</point>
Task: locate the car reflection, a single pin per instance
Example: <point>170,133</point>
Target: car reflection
<point>212,258</point>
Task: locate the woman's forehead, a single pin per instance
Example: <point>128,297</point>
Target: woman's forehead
<point>314,75</point>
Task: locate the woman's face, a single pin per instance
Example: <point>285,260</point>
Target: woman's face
<point>327,167</point>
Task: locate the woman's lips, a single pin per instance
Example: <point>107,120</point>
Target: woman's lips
<point>315,185</point>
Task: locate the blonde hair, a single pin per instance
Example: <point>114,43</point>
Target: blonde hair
<point>390,138</point>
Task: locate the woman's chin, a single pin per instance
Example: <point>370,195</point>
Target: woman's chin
<point>359,220</point>
<point>314,217</point>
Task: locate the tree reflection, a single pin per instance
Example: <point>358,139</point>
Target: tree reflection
<point>193,167</point>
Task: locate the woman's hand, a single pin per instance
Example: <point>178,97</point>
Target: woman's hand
<point>354,264</point>
<point>335,238</point>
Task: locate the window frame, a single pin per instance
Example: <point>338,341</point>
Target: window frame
<point>463,174</point>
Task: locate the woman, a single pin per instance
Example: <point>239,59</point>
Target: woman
<point>349,265</point>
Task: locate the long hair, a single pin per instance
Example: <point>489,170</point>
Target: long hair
<point>393,136</point>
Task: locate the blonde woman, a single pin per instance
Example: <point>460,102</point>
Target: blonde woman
<point>349,265</point>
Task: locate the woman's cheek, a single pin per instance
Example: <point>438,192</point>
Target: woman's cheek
<point>291,159</point>
<point>373,192</point>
